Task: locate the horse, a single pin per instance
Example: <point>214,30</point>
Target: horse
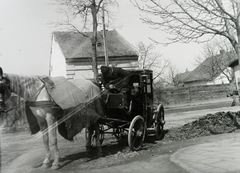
<point>47,112</point>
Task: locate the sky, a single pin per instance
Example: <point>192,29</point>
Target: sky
<point>26,28</point>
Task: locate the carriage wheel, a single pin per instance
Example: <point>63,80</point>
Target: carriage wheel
<point>136,133</point>
<point>101,135</point>
<point>159,123</point>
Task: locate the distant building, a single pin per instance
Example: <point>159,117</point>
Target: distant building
<point>211,71</point>
<point>71,54</point>
<point>236,69</point>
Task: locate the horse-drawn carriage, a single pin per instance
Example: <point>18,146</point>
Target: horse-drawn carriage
<point>130,108</point>
<point>124,106</point>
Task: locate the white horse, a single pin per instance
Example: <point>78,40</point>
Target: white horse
<point>33,90</point>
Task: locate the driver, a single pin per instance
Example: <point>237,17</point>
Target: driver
<point>116,78</point>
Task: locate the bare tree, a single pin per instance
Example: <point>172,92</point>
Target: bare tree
<point>215,60</point>
<point>89,13</point>
<point>194,20</point>
<point>149,59</point>
<point>172,77</point>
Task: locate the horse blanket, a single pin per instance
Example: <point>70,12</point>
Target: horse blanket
<point>80,101</point>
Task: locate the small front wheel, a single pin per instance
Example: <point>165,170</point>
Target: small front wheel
<point>136,133</point>
<point>159,123</point>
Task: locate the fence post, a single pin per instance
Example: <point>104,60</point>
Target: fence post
<point>189,94</point>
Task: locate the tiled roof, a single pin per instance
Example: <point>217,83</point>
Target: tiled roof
<point>181,76</point>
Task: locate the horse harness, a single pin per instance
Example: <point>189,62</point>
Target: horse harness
<point>48,83</point>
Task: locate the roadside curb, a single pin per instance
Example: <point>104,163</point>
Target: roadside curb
<point>219,155</point>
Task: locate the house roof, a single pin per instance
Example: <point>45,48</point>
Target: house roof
<point>181,76</point>
<point>203,73</point>
<point>75,45</point>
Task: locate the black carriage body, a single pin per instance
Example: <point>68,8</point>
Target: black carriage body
<point>128,96</point>
<point>139,93</point>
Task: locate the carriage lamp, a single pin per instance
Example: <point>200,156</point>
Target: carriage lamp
<point>111,86</point>
<point>144,78</point>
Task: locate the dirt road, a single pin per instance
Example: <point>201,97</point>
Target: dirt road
<point>21,152</point>
<point>24,153</point>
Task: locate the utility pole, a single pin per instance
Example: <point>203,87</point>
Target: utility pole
<point>94,39</point>
<point>104,38</point>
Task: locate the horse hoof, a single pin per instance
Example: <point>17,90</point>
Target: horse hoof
<point>55,166</point>
<point>46,165</point>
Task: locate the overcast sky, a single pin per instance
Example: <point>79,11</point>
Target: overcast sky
<point>25,36</point>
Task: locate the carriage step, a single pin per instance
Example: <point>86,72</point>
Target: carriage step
<point>150,131</point>
<point>150,138</point>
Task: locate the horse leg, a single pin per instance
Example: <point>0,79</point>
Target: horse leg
<point>52,130</point>
<point>98,143</point>
<point>89,139</point>
<point>44,129</point>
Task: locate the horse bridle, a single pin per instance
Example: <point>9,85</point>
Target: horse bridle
<point>4,85</point>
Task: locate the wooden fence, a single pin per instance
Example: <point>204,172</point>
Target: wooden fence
<point>190,94</point>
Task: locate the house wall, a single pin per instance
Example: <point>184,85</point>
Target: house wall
<point>59,66</point>
<point>221,79</point>
<point>77,71</point>
<point>236,70</point>
<point>57,61</point>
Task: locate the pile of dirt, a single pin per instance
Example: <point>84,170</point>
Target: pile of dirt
<point>211,124</point>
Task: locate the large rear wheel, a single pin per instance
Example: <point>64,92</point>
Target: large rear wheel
<point>136,133</point>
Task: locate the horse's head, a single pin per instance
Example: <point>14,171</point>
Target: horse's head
<point>5,92</point>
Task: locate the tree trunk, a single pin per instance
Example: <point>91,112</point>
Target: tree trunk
<point>94,40</point>
<point>238,31</point>
<point>237,47</point>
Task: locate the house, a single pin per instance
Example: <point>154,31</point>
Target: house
<point>213,70</point>
<point>71,53</point>
<point>236,69</point>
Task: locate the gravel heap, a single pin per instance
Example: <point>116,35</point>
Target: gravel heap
<point>210,124</point>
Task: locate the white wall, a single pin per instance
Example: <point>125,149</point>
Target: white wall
<point>77,71</point>
<point>58,66</point>
<point>57,62</point>
<point>237,75</point>
<point>85,71</point>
